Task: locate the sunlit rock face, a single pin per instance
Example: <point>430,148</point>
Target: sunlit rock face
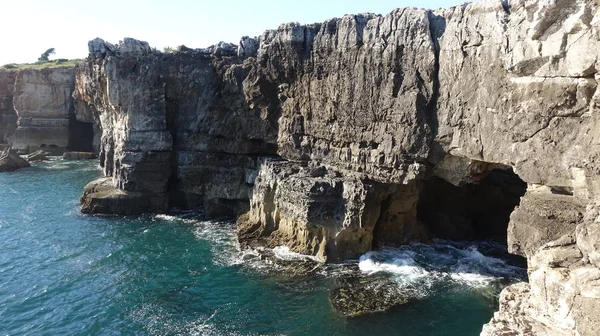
<point>43,103</point>
<point>327,138</point>
<point>37,111</point>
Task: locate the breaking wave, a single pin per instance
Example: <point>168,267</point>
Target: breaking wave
<point>462,263</point>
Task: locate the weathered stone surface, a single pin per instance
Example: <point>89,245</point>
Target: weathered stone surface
<point>79,156</point>
<point>10,160</point>
<point>43,103</point>
<point>205,126</point>
<point>100,196</point>
<point>355,92</point>
<point>363,108</point>
<point>318,212</point>
<point>359,296</point>
<point>8,117</point>
<point>540,218</point>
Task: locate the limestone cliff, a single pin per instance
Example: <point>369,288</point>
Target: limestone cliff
<point>187,129</point>
<point>8,117</point>
<point>37,110</point>
<point>373,130</point>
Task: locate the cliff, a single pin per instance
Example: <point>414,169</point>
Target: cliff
<point>8,117</point>
<point>336,138</point>
<point>37,110</point>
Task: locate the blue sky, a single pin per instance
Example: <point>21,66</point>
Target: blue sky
<point>29,27</point>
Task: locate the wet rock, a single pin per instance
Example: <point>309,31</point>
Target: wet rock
<point>100,196</point>
<point>38,156</point>
<point>10,161</point>
<point>366,295</point>
<point>8,117</point>
<point>79,156</point>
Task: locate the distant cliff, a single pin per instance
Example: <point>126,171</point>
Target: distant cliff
<point>368,130</point>
<point>37,110</point>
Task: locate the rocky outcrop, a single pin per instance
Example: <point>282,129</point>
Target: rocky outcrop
<point>335,132</point>
<point>10,161</point>
<point>184,127</point>
<point>320,212</point>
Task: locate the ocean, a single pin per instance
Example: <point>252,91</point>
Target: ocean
<point>64,273</point>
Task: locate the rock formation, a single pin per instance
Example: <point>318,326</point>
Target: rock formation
<point>333,135</point>
<point>10,161</point>
<point>37,111</point>
<point>184,129</point>
<point>8,117</point>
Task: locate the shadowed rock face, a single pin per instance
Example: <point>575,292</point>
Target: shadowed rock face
<point>364,111</point>
<point>190,128</point>
<point>8,117</point>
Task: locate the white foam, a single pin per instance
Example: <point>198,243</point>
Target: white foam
<point>224,244</point>
<point>171,218</point>
<point>424,265</point>
<point>284,253</point>
<point>402,265</point>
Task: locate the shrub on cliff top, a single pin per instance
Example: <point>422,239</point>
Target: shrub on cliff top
<point>46,54</point>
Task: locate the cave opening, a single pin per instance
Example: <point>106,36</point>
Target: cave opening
<point>473,211</point>
<point>81,136</point>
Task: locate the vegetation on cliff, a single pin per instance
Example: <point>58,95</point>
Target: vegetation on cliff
<point>59,63</point>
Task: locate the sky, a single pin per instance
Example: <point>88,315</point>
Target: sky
<point>29,27</point>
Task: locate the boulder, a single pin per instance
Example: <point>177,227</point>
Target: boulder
<point>10,160</point>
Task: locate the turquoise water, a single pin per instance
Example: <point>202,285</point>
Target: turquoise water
<point>62,273</point>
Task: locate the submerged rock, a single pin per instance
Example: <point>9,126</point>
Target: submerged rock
<point>358,296</point>
<point>10,160</point>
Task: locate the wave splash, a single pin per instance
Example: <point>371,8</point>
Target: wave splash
<point>459,262</point>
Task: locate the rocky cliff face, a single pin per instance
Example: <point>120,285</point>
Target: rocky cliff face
<point>352,134</point>
<point>184,130</point>
<point>8,117</point>
<point>42,100</point>
<point>37,111</point>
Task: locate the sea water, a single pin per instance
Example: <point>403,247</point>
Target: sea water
<point>64,273</point>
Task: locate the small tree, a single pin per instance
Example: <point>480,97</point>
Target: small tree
<point>46,54</point>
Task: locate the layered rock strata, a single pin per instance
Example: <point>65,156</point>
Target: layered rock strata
<point>187,129</point>
<point>37,111</point>
<point>361,114</point>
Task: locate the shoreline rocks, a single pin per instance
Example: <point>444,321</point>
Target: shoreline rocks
<point>11,161</point>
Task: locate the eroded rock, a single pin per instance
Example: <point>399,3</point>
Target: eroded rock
<point>10,161</point>
<point>317,211</point>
